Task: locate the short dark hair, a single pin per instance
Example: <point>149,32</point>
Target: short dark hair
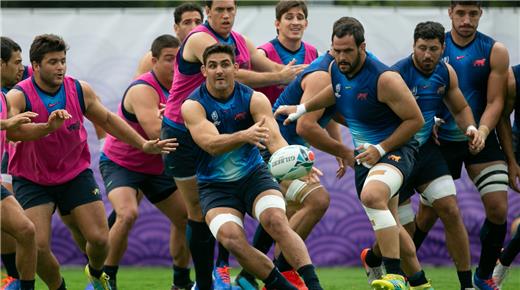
<point>186,7</point>
<point>45,43</point>
<point>164,41</point>
<point>285,5</point>
<point>8,46</point>
<point>429,30</point>
<point>465,2</point>
<point>349,26</point>
<point>209,3</point>
<point>218,48</point>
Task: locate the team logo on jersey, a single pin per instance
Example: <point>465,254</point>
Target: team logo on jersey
<point>414,91</point>
<point>441,91</point>
<point>214,117</point>
<point>337,92</point>
<point>362,96</point>
<point>395,158</point>
<point>74,127</point>
<point>479,62</point>
<point>240,116</point>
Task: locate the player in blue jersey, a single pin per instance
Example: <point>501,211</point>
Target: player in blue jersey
<point>433,83</point>
<point>481,64</point>
<point>230,121</point>
<point>382,116</point>
<point>509,140</point>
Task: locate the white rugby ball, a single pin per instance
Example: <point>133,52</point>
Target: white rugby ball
<point>291,162</point>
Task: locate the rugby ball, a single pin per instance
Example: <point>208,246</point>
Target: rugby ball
<point>291,162</point>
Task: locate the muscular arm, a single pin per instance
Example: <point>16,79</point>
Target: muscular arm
<point>497,80</point>
<point>261,110</point>
<point>307,125</point>
<point>142,100</point>
<point>25,132</point>
<point>504,129</point>
<point>457,104</point>
<point>392,90</point>
<point>205,134</point>
<point>108,121</point>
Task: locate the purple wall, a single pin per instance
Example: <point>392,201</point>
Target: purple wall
<point>337,239</point>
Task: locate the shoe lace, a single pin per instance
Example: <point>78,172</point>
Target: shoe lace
<point>223,273</point>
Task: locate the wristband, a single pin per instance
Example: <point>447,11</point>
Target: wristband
<point>471,128</point>
<point>484,130</point>
<point>380,149</point>
<point>300,110</point>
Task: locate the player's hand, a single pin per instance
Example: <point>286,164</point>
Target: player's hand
<point>344,162</point>
<point>369,155</point>
<point>289,72</point>
<point>160,146</point>
<point>341,168</point>
<point>476,141</point>
<point>57,118</point>
<point>313,176</point>
<point>257,134</point>
<point>435,130</point>
<point>513,171</point>
<point>162,108</point>
<point>286,111</point>
<point>17,120</point>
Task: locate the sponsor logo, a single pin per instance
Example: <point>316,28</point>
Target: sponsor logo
<point>337,92</point>
<point>445,59</point>
<point>414,92</point>
<point>283,160</point>
<point>362,96</point>
<point>479,62</point>
<point>214,117</point>
<point>240,116</point>
<point>74,127</point>
<point>459,57</point>
<point>395,158</point>
<point>53,104</point>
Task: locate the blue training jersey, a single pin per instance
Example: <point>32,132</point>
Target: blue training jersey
<point>292,95</point>
<point>471,63</point>
<point>516,73</point>
<point>228,117</point>
<point>369,120</point>
<point>287,55</point>
<point>428,90</point>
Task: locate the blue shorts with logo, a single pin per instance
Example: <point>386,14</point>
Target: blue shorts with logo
<point>402,158</point>
<point>182,162</point>
<point>239,194</point>
<point>429,165</point>
<point>456,153</point>
<point>156,188</point>
<point>81,190</point>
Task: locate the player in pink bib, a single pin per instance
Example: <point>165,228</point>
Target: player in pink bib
<point>51,167</point>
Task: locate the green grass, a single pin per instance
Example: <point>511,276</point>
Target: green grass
<point>147,278</point>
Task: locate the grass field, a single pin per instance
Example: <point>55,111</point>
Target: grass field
<point>130,278</point>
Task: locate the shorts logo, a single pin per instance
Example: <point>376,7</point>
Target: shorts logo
<point>95,191</point>
<point>214,117</point>
<point>394,158</point>
<point>479,62</point>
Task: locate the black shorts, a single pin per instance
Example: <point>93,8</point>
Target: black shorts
<point>240,194</point>
<point>402,158</point>
<point>5,161</point>
<point>5,192</point>
<point>182,162</point>
<point>78,191</point>
<point>456,153</point>
<point>156,188</point>
<point>429,165</point>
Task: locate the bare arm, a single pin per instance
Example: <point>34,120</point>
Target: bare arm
<point>457,104</point>
<point>207,136</point>
<point>393,91</point>
<point>145,64</point>
<point>261,111</point>
<point>497,81</point>
<point>142,100</point>
<point>31,131</point>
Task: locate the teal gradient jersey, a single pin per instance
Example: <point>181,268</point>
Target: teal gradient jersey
<point>228,117</point>
<point>471,63</point>
<point>428,90</point>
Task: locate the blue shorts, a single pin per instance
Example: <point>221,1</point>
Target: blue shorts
<point>182,162</point>
<point>78,191</point>
<point>456,153</point>
<point>405,161</point>
<point>429,165</point>
<point>156,188</point>
<point>240,194</point>
<point>5,192</point>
